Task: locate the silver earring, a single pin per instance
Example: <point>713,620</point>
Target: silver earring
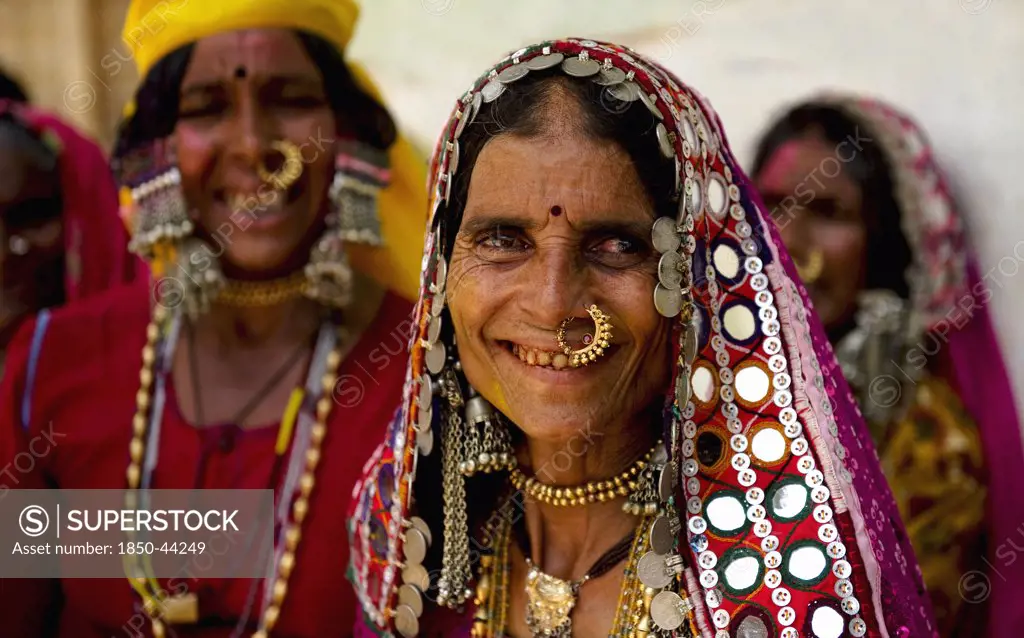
<point>200,280</point>
<point>161,214</point>
<point>487,443</point>
<point>361,172</point>
<point>328,272</point>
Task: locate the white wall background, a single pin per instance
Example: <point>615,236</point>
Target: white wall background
<point>956,65</point>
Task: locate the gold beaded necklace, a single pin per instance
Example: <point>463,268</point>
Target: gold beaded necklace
<point>593,492</point>
<point>260,294</point>
<point>158,603</point>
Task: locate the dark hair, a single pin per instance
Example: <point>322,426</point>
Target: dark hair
<point>156,101</point>
<point>17,137</point>
<point>526,110</point>
<point>48,274</point>
<point>888,252</point>
<point>11,89</point>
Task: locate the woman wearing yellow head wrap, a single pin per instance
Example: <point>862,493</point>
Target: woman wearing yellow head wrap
<point>267,187</point>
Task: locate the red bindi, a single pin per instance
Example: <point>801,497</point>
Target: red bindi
<point>556,211</point>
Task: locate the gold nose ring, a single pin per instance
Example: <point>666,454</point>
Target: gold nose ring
<point>290,170</point>
<point>811,270</point>
<point>593,345</point>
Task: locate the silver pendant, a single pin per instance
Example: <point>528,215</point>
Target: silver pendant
<point>670,270</point>
<point>664,235</point>
<point>409,595</point>
<point>416,575</point>
<point>436,356</point>
<point>406,621</point>
<point>515,72</point>
<point>625,91</point>
<point>668,302</point>
<point>425,441</point>
<point>609,76</point>
<point>543,62</point>
<point>652,571</point>
<point>668,610</point>
<point>581,68</point>
<point>415,547</point>
<point>664,143</point>
<point>492,90</point>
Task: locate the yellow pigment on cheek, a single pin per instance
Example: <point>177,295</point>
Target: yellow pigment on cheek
<point>498,399</point>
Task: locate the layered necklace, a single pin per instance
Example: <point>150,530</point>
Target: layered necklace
<point>307,428</point>
<point>649,602</point>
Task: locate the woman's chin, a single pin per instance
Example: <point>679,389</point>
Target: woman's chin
<point>258,259</point>
<point>570,426</point>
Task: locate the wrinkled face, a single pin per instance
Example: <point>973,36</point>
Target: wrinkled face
<point>243,91</point>
<point>553,224</point>
<point>818,210</point>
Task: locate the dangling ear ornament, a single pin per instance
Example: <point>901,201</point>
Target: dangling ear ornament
<point>593,345</point>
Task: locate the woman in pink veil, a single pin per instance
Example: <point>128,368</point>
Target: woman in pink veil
<point>880,246</point>
<point>62,236</point>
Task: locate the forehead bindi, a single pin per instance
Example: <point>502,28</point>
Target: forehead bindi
<point>252,54</point>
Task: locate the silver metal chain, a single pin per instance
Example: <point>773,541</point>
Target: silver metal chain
<point>455,568</point>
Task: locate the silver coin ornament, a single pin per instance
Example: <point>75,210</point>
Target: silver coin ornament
<point>544,62</point>
<point>668,610</point>
<point>513,73</point>
<point>665,235</point>
<point>669,303</point>
<point>661,537</point>
<point>421,525</point>
<point>416,575</point>
<point>409,595</point>
<point>425,441</point>
<point>415,547</point>
<point>653,572</point>
<point>406,621</point>
<point>436,356</point>
<point>581,67</point>
<point>670,270</point>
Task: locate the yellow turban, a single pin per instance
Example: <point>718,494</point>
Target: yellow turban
<point>154,28</point>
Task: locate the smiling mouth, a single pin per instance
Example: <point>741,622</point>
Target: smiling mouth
<point>548,359</point>
<point>256,202</point>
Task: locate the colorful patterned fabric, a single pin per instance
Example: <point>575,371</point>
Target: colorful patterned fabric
<point>788,521</point>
